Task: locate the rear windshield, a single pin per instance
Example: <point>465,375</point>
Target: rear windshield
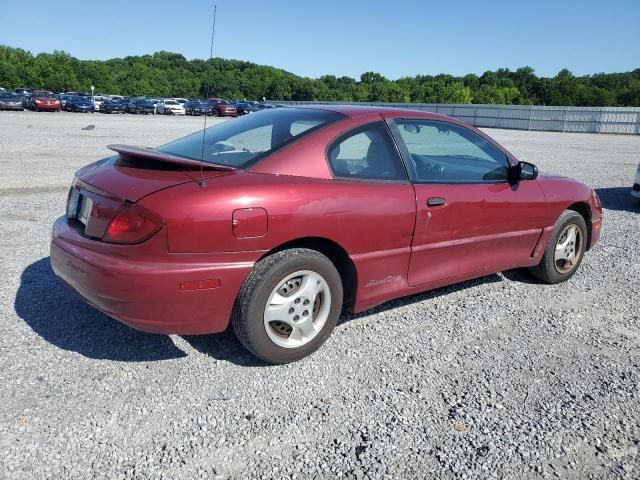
<point>243,141</point>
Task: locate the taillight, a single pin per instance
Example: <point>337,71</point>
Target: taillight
<point>132,224</point>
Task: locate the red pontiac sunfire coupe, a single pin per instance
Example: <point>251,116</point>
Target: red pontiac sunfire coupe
<point>279,220</point>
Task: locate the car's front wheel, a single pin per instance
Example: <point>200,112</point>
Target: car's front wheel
<point>288,306</point>
<point>565,249</point>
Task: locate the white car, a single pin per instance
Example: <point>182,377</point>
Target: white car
<point>97,101</point>
<point>181,101</point>
<point>635,190</point>
<point>170,107</point>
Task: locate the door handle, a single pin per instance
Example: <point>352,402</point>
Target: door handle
<point>436,201</point>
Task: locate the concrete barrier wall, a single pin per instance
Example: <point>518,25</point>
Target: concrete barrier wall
<point>622,120</point>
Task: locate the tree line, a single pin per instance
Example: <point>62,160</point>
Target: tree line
<point>167,74</point>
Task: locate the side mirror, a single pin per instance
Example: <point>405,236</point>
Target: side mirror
<point>526,171</point>
<point>411,127</point>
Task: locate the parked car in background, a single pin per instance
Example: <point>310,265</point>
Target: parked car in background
<point>264,106</point>
<point>29,97</point>
<point>45,101</point>
<point>429,201</point>
<point>113,106</point>
<point>222,108</point>
<point>141,106</point>
<point>130,105</point>
<point>180,100</point>
<point>79,104</point>
<point>243,108</point>
<point>64,98</point>
<point>198,107</point>
<point>98,100</point>
<point>10,101</point>
<point>635,190</point>
<point>23,91</point>
<point>26,100</point>
<point>154,102</point>
<point>170,107</point>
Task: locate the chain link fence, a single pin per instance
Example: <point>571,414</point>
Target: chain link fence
<point>622,120</point>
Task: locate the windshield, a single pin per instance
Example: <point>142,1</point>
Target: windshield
<point>243,141</point>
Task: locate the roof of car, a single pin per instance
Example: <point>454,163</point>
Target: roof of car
<point>360,110</point>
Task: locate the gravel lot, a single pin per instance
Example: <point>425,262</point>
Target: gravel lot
<point>500,377</point>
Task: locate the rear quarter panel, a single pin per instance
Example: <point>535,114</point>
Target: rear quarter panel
<point>372,222</point>
<point>360,216</point>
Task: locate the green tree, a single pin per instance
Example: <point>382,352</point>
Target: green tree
<point>171,74</point>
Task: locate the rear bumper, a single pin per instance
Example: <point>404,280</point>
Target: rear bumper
<point>149,293</point>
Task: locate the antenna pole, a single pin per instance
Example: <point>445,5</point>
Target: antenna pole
<point>204,129</point>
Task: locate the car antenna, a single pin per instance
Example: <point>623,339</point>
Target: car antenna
<point>201,182</point>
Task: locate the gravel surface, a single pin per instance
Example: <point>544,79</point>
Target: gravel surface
<point>500,377</point>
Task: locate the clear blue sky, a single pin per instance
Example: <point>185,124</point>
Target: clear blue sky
<point>343,37</point>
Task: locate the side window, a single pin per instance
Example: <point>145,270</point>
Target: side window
<point>366,153</point>
<point>447,153</point>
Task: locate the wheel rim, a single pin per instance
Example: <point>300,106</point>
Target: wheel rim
<point>568,249</point>
<point>297,309</point>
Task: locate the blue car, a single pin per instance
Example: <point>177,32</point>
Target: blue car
<point>79,104</point>
<point>197,107</point>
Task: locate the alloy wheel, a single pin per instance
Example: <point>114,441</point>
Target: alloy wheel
<point>568,249</point>
<point>297,309</point>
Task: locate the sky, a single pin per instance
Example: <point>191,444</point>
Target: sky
<point>342,37</point>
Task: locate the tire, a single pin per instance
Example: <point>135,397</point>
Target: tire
<point>554,268</point>
<point>297,270</point>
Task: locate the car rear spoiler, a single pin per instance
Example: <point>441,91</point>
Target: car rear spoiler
<point>132,152</point>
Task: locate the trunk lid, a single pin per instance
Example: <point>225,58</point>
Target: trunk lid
<point>138,172</point>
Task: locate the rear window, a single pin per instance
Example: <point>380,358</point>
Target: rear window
<point>245,140</point>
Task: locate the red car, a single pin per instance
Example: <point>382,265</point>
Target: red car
<point>222,108</point>
<point>45,101</point>
<point>297,214</point>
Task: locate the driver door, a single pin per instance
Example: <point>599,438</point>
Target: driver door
<point>470,220</point>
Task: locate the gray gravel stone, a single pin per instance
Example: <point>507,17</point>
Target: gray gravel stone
<point>499,377</point>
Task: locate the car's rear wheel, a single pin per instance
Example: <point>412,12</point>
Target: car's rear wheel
<point>288,306</point>
<point>565,249</point>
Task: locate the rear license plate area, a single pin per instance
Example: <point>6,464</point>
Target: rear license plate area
<point>84,212</point>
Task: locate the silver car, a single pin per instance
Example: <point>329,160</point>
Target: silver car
<point>10,101</point>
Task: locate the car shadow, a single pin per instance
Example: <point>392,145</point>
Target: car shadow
<point>59,316</point>
<point>55,313</point>
<point>226,347</point>
<point>618,198</point>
